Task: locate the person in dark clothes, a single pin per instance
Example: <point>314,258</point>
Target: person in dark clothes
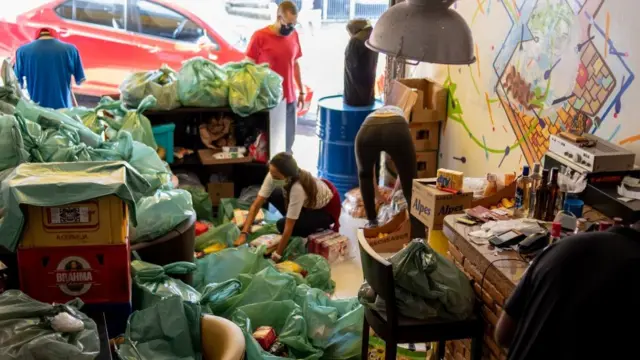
<point>48,64</point>
<point>360,65</point>
<point>578,300</point>
<point>309,204</point>
<point>386,130</point>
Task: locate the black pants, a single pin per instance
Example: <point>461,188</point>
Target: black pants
<point>290,126</point>
<point>394,138</point>
<point>309,221</point>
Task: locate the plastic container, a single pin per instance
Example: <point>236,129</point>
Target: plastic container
<point>574,206</point>
<point>164,138</point>
<point>337,127</point>
<point>95,274</point>
<point>102,221</point>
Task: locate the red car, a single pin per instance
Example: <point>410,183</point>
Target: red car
<point>116,37</point>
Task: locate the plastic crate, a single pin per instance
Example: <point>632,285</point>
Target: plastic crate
<point>164,138</point>
<point>96,274</point>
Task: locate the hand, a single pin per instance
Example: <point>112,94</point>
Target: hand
<point>242,239</point>
<point>301,101</point>
<point>276,257</point>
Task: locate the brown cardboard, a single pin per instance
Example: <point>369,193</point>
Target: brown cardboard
<point>219,191</point>
<point>421,99</point>
<point>425,136</point>
<point>493,200</point>
<point>427,162</point>
<point>398,232</point>
<point>430,205</point>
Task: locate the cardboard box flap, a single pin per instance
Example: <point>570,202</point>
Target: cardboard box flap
<point>403,97</point>
<point>431,99</point>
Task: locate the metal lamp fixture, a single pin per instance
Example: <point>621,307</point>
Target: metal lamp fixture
<point>424,31</point>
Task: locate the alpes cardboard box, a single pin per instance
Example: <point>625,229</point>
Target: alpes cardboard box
<point>430,205</point>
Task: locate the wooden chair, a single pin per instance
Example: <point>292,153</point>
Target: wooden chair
<point>396,329</point>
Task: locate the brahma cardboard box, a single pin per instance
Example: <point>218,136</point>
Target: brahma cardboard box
<point>430,205</point>
<point>422,100</point>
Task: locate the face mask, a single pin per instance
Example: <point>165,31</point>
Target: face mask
<point>286,30</point>
<point>279,183</point>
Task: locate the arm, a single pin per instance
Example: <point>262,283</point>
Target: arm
<point>298,76</point>
<point>78,69</point>
<point>297,197</point>
<point>265,191</point>
<point>505,329</point>
<point>253,211</point>
<point>514,309</point>
<point>286,235</point>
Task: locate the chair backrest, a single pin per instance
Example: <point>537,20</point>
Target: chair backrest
<point>378,273</point>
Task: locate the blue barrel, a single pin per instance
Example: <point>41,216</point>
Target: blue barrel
<point>336,128</point>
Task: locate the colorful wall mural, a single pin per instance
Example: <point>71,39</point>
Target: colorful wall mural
<point>543,66</point>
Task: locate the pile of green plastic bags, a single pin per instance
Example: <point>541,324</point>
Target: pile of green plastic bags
<point>161,83</point>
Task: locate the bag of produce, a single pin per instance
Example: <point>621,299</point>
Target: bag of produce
<point>152,283</point>
<point>252,87</point>
<point>138,125</point>
<point>224,235</point>
<point>12,152</point>
<point>202,83</point>
<point>286,320</point>
<point>228,264</point>
<point>161,213</point>
<point>162,84</point>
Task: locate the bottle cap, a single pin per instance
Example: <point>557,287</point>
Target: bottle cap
<point>556,229</point>
<point>525,170</point>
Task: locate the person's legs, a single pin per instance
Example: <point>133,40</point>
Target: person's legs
<point>290,126</point>
<point>308,223</point>
<point>402,151</point>
<point>367,152</point>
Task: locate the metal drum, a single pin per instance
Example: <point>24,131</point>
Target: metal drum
<point>336,128</point>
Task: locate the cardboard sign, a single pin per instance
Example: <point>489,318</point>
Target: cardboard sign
<point>430,205</point>
<point>422,100</point>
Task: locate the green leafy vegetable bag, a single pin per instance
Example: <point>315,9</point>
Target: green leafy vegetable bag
<point>252,87</point>
<point>162,84</point>
<point>138,125</point>
<point>202,83</point>
<point>152,283</point>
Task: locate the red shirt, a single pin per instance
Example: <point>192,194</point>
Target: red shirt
<point>281,53</point>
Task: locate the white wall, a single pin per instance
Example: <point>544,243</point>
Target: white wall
<point>490,114</point>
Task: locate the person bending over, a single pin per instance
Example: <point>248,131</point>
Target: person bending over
<point>307,203</point>
<point>578,300</point>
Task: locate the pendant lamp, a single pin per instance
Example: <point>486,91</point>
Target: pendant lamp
<point>423,31</point>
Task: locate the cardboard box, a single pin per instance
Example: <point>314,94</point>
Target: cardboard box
<point>425,136</point>
<point>421,99</point>
<point>101,221</point>
<point>398,234</point>
<point>95,274</point>
<point>430,205</point>
<point>427,162</point>
<point>219,191</point>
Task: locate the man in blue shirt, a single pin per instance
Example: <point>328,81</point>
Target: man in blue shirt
<point>47,64</point>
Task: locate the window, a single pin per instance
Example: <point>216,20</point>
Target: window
<point>157,20</point>
<point>108,13</point>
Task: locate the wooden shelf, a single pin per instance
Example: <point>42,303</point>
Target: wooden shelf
<point>206,158</point>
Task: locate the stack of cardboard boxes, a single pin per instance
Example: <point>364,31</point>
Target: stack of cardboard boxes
<point>424,103</point>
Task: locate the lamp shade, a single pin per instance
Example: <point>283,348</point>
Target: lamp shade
<point>425,31</point>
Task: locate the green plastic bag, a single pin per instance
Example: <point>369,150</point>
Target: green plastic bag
<point>318,272</point>
<point>226,207</point>
<point>27,333</point>
<point>12,152</point>
<point>296,247</point>
<point>55,184</point>
<point>138,125</point>
<point>168,330</point>
<point>333,325</point>
<point>287,320</point>
<point>252,87</point>
<point>9,79</point>
<point>264,286</point>
<point>48,118</point>
<point>201,202</point>
<point>152,283</point>
<point>161,213</point>
<point>428,285</point>
<point>162,84</point>
<point>202,83</point>
<point>224,234</point>
<point>215,297</point>
<point>228,264</point>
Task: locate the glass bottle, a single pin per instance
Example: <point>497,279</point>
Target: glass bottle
<point>492,185</point>
<point>536,178</point>
<point>523,186</point>
<point>542,194</point>
<point>554,192</point>
<point>556,229</point>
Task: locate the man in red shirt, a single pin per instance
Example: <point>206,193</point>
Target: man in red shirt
<point>278,45</point>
